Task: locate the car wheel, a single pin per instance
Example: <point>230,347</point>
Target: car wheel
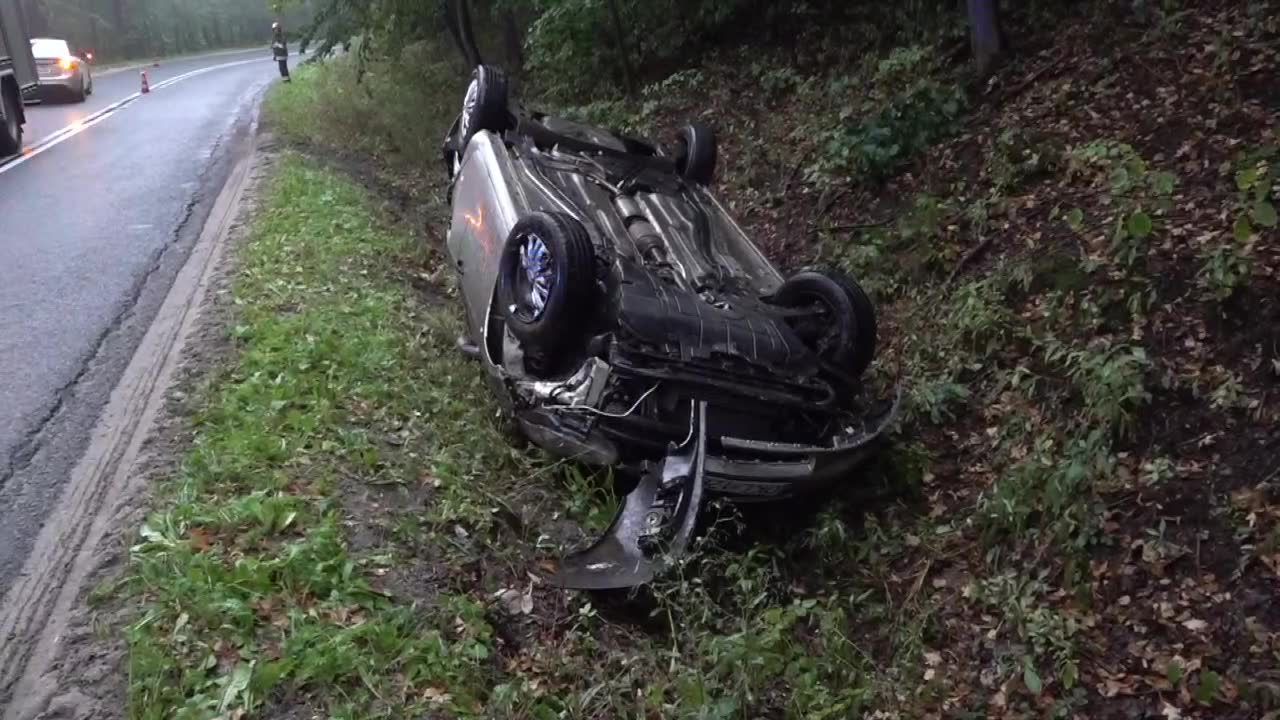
<point>696,153</point>
<point>10,123</point>
<point>485,106</point>
<point>842,331</point>
<point>864,313</point>
<point>84,91</point>
<point>547,283</point>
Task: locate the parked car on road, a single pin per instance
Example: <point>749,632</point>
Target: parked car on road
<point>625,320</point>
<point>62,71</point>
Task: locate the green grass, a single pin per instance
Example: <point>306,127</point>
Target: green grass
<point>247,581</point>
<point>396,113</point>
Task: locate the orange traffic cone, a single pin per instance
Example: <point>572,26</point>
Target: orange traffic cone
<point>146,86</point>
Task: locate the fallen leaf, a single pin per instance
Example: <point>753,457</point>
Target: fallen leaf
<point>436,696</point>
<point>515,602</point>
<point>1032,679</point>
<point>201,540</point>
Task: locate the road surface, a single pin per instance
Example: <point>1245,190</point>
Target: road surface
<point>95,220</point>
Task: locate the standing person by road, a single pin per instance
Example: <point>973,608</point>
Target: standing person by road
<point>280,50</point>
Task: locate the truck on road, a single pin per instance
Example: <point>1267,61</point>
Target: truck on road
<point>17,75</point>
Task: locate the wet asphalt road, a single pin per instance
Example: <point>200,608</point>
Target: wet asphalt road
<point>92,231</point>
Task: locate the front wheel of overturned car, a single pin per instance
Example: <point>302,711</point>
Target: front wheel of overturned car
<point>696,153</point>
<point>841,328</point>
<point>546,283</point>
<point>485,106</point>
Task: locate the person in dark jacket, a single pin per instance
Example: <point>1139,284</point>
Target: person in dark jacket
<point>280,50</point>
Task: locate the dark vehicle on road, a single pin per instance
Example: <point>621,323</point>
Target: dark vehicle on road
<point>624,319</point>
<point>63,72</point>
<point>17,76</point>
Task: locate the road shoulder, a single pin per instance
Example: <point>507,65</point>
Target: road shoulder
<point>55,661</point>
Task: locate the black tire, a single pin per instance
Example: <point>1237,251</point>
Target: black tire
<point>843,333</point>
<point>83,94</point>
<point>696,153</point>
<point>864,313</point>
<point>485,106</point>
<point>569,262</point>
<point>10,122</point>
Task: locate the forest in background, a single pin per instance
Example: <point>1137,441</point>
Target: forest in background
<point>580,47</point>
<point>124,29</point>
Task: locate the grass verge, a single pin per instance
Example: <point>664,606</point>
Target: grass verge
<point>251,589</point>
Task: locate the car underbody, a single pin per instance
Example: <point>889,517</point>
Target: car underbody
<point>625,320</point>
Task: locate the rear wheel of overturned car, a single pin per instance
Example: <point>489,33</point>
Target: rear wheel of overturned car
<point>485,106</point>
<point>696,153</point>
<point>547,283</point>
<point>842,327</point>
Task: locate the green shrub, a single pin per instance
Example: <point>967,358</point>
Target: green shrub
<point>1050,495</point>
<point>1228,265</point>
<point>574,48</point>
<point>373,109</point>
<point>908,109</point>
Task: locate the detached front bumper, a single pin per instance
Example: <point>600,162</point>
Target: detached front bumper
<point>740,469</point>
<point>657,519</point>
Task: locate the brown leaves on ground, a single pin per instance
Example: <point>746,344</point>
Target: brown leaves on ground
<point>1177,616</point>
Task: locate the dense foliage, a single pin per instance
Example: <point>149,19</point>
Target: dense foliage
<point>116,29</point>
<point>573,48</point>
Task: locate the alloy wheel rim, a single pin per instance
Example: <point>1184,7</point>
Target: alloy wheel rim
<point>469,104</point>
<point>536,278</point>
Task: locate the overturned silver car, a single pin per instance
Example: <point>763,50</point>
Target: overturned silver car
<point>624,319</point>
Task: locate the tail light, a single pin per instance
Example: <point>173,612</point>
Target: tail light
<point>67,64</point>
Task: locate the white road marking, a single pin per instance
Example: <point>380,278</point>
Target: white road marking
<point>80,126</point>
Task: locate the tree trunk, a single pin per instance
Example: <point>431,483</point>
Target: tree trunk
<point>624,53</point>
<point>118,14</point>
<point>511,37</point>
<point>465,33</point>
<point>985,35</point>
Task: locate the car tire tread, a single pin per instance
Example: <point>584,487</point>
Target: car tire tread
<point>491,110</point>
<point>697,156</point>
<point>569,304</point>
